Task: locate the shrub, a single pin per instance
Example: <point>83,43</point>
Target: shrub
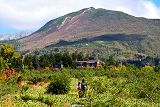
<point>6,89</point>
<point>11,80</point>
<point>36,79</point>
<point>157,68</point>
<point>27,97</point>
<point>101,104</point>
<point>48,101</point>
<point>40,98</point>
<point>97,86</point>
<point>24,89</point>
<point>147,68</point>
<point>60,85</point>
<point>113,102</point>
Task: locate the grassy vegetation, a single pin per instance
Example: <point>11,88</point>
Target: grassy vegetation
<point>111,44</point>
<point>116,86</point>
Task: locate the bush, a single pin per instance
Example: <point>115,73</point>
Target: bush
<point>40,97</point>
<point>24,89</point>
<point>36,79</point>
<point>11,81</point>
<point>157,68</point>
<point>97,86</point>
<point>113,102</point>
<point>6,89</point>
<point>27,97</point>
<point>60,85</point>
<point>48,101</point>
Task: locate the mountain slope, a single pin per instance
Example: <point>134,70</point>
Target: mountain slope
<point>90,23</point>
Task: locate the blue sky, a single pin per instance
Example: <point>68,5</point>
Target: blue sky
<point>30,15</point>
<point>157,2</point>
<point>7,29</point>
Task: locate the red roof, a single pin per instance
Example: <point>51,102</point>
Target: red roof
<point>89,61</point>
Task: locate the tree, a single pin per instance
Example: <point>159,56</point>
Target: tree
<point>80,56</point>
<point>3,64</point>
<point>44,61</point>
<point>67,60</point>
<point>58,57</point>
<point>35,61</point>
<point>51,59</point>
<point>7,51</point>
<point>28,61</point>
<point>74,56</point>
<point>16,60</point>
<point>111,61</point>
<point>9,57</point>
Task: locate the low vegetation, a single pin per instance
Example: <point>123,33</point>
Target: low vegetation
<point>59,85</point>
<point>111,85</point>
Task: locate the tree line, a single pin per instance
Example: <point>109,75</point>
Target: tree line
<point>9,59</point>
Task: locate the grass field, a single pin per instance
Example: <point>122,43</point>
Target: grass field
<point>114,88</point>
<point>108,96</point>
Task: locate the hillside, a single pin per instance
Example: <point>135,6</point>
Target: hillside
<point>136,34</point>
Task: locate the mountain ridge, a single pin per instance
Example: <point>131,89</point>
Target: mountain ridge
<point>90,22</point>
<point>14,36</point>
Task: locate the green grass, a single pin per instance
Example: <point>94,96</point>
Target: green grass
<point>107,89</point>
<point>107,98</point>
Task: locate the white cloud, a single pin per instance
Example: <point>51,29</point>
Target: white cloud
<point>151,10</point>
<point>32,14</point>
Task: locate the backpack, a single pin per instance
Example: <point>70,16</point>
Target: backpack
<point>85,87</point>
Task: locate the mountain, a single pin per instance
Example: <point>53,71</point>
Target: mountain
<point>14,36</point>
<point>98,28</point>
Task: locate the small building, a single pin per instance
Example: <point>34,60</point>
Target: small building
<point>89,64</point>
<point>57,65</point>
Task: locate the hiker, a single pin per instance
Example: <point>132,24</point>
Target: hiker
<point>84,88</point>
<point>79,89</point>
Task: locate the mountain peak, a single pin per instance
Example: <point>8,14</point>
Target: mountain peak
<point>88,22</point>
<point>89,8</point>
